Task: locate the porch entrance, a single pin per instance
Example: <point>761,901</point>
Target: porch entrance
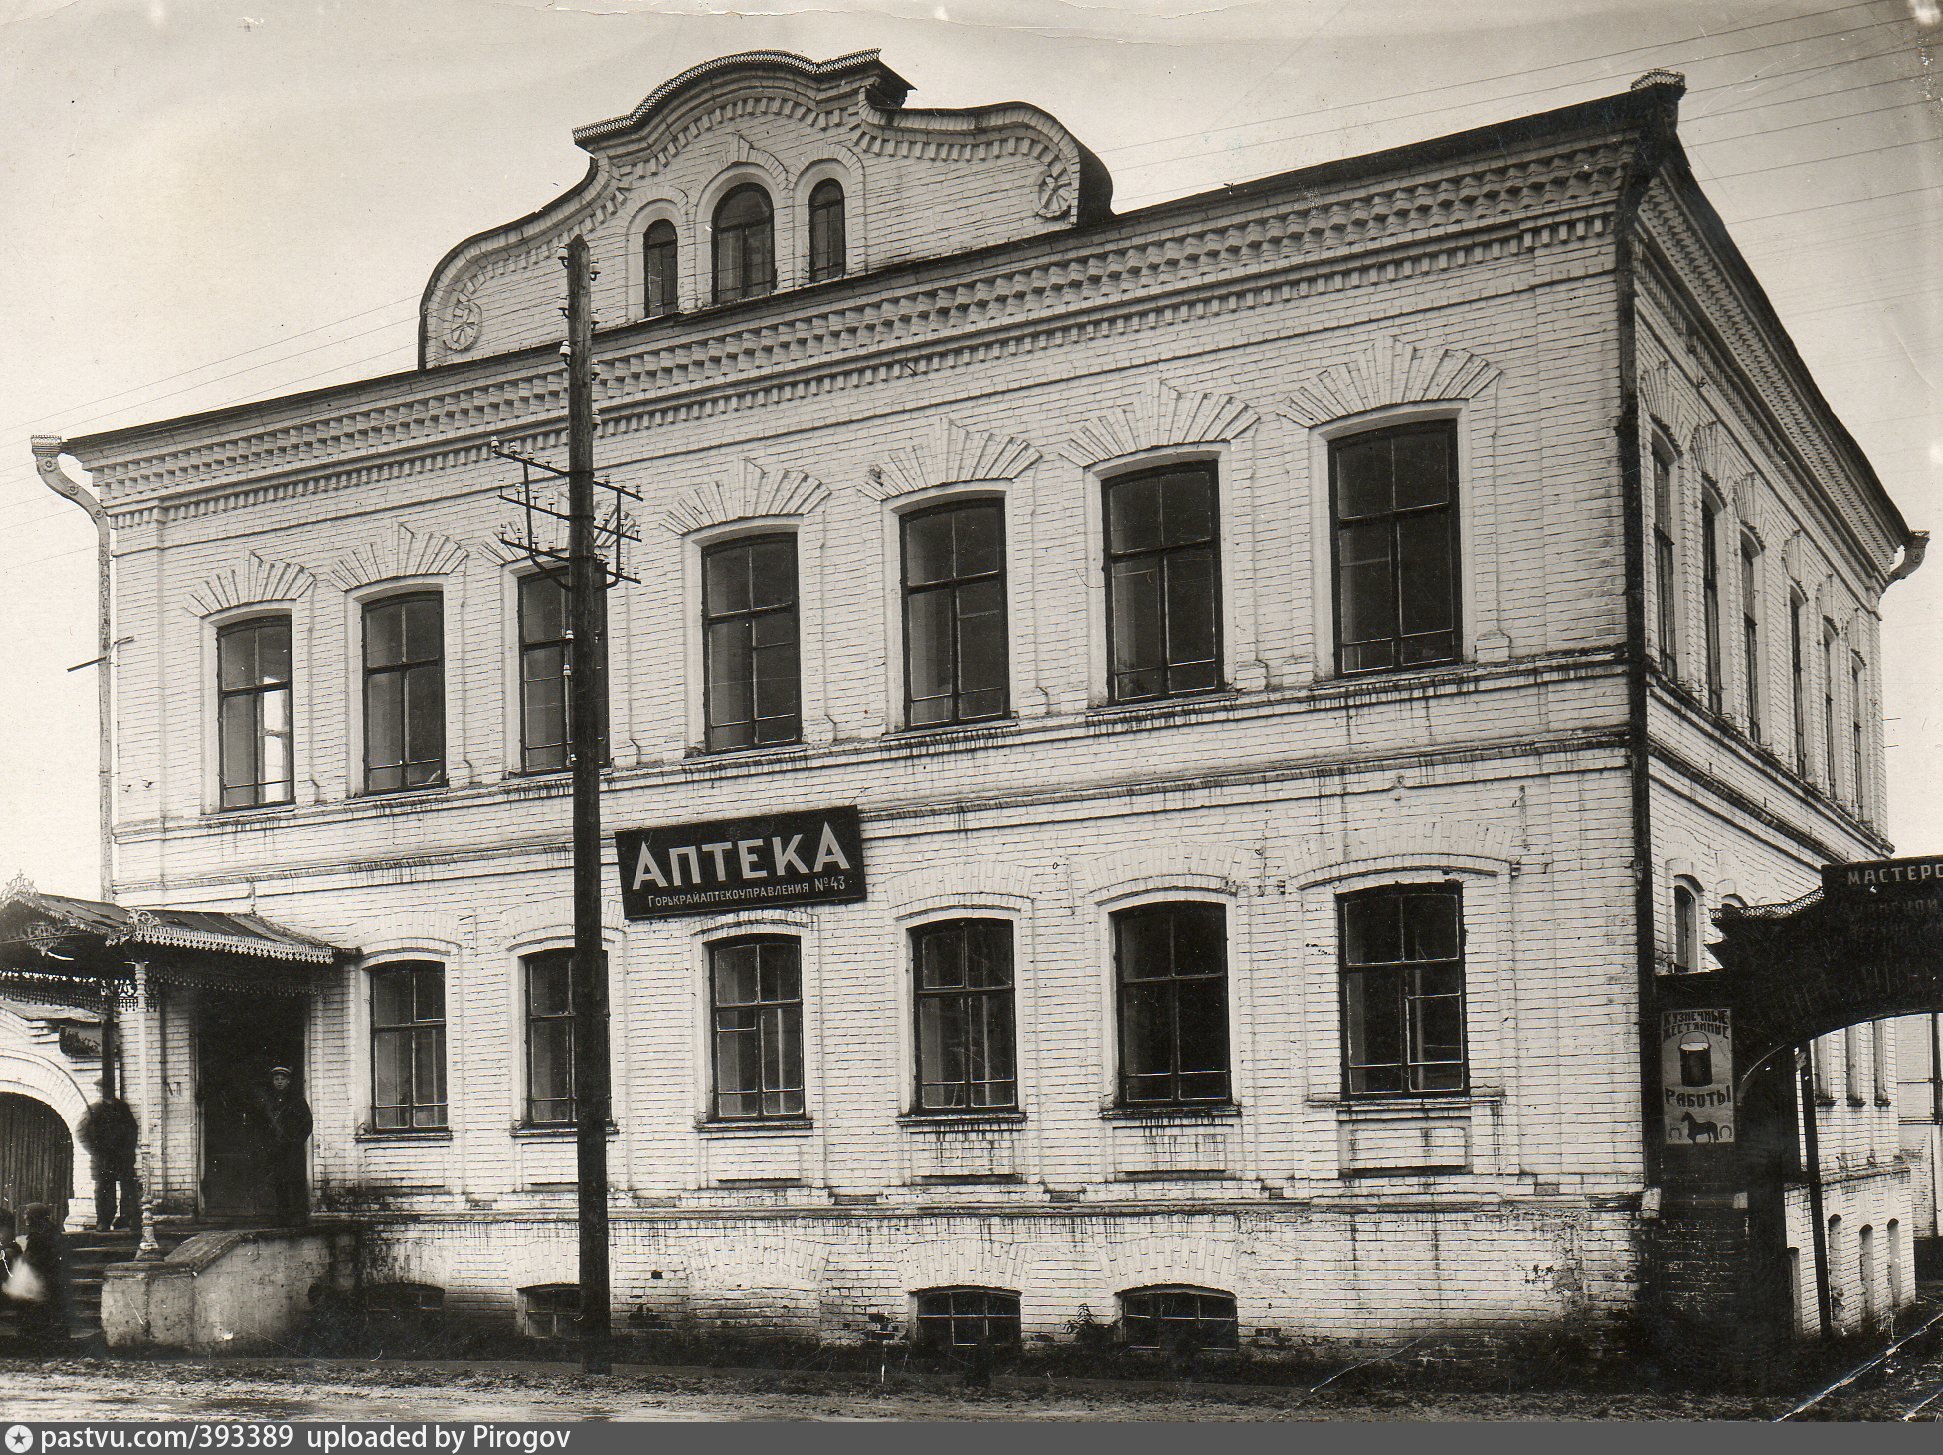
<point>36,1155</point>
<point>239,1038</point>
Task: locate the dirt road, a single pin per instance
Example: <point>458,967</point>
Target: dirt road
<point>346,1390</point>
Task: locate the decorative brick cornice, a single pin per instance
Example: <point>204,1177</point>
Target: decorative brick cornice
<point>1388,371</point>
<point>1754,351</point>
<point>755,491</point>
<point>948,454</point>
<point>399,551</point>
<point>1280,252</point>
<point>1159,416</point>
<point>256,579</point>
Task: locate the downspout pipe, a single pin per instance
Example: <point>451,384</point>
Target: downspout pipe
<point>48,465</point>
<point>1914,549</point>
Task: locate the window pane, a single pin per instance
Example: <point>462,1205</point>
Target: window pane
<point>1203,1017</point>
<point>1373,1010</point>
<point>1366,589</point>
<point>928,552</point>
<point>1363,478</point>
<point>1422,461</point>
<point>384,634</point>
<point>981,640</point>
<point>1187,505</point>
<point>236,657</point>
<point>428,1067</point>
<point>979,538</point>
<point>425,716</point>
<point>237,735</point>
<point>391,998</point>
<point>772,571</point>
<point>423,628</point>
<point>1430,926</point>
<point>552,1070</point>
<point>548,982</point>
<point>726,579</point>
<point>731,672</point>
<point>1424,573</point>
<point>928,644</point>
<point>384,719</point>
<point>1190,607</point>
<point>542,609</point>
<point>273,651</point>
<point>1134,514</point>
<point>1136,607</point>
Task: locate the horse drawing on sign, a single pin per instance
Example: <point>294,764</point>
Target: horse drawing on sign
<point>1699,1131</point>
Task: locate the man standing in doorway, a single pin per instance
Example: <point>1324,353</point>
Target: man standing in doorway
<point>283,1121</point>
<point>109,1133</point>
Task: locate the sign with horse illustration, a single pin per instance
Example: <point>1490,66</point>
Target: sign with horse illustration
<point>1697,1076</point>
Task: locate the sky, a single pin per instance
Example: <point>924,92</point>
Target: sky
<point>210,202</point>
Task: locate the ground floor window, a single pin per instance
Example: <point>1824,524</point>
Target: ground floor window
<point>550,1310</point>
<point>966,1318</point>
<point>1178,1320</point>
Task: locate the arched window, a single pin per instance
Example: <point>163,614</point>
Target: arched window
<point>1686,928</point>
<point>966,1318</point>
<point>253,711</point>
<point>826,230</point>
<point>660,270</point>
<point>745,245</point>
<point>1178,1320</point>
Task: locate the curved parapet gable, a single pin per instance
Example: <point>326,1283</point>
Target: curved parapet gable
<point>917,184</point>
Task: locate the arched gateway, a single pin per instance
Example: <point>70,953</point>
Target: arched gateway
<point>1735,1080</point>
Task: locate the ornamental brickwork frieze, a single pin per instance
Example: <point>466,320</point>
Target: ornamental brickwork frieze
<point>753,491</point>
<point>1388,371</point>
<point>399,552</point>
<point>1160,415</point>
<point>948,454</point>
<point>255,579</point>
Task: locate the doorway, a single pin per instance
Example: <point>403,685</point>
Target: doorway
<point>238,1039</point>
<point>36,1155</point>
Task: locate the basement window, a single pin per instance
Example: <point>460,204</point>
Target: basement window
<point>550,1311</point>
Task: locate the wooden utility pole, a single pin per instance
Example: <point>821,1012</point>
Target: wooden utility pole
<point>587,710</point>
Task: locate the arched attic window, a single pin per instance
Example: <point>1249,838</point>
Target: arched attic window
<point>827,242</point>
<point>745,245</point>
<point>660,269</point>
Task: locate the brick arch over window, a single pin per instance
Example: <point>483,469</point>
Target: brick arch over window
<point>401,551</point>
<point>257,579</point>
<point>1142,1262</point>
<point>1384,372</point>
<point>1460,842</point>
<point>1218,868</point>
<point>755,490</point>
<point>964,1261</point>
<point>1159,416</point>
<point>946,454</point>
<point>972,881</point>
<point>1660,399</point>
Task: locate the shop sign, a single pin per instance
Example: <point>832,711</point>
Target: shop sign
<point>1697,1076</point>
<point>741,863</point>
<point>1885,879</point>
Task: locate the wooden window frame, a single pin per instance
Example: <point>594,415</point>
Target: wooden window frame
<point>778,1030</point>
<point>829,237</point>
<point>1212,1308</point>
<point>554,756</point>
<point>420,1111</point>
<point>1751,632</point>
<point>1711,510</point>
<point>750,621</point>
<point>1409,976</point>
<point>1830,761</point>
<point>954,588</point>
<point>1393,522</point>
<point>538,1109</point>
<point>256,696</point>
<point>1666,560</point>
<point>993,1005</point>
<point>743,243</point>
<point>1798,676</point>
<point>964,1308</point>
<point>1164,556</point>
<point>1165,1088</point>
<point>434,775</point>
<point>660,269</point>
<point>1858,743</point>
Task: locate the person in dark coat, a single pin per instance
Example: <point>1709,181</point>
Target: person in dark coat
<point>111,1136</point>
<point>283,1124</point>
<point>43,1322</point>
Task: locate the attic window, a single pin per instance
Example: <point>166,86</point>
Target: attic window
<point>745,245</point>
<point>826,230</point>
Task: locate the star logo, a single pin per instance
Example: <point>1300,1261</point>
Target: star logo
<point>20,1439</point>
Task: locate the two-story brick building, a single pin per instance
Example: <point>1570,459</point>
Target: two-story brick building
<point>1302,658</point>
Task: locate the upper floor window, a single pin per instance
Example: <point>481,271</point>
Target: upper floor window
<point>404,692</point>
<point>1395,506</point>
<point>745,244</point>
<point>1710,595</point>
<point>1665,576</point>
<point>660,269</point>
<point>1171,966</point>
<point>1178,1320</point>
<point>549,1038</point>
<point>1686,929</point>
<point>756,1006</point>
<point>1829,639</point>
<point>1858,744</point>
<point>753,693</point>
<point>543,649</point>
<point>955,665</point>
<point>964,1015</point>
<point>1798,675</point>
<point>408,1047</point>
<point>1402,964</point>
<point>826,230</point>
<point>966,1318</point>
<point>253,712</point>
<point>1751,631</point>
<point>1162,583</point>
